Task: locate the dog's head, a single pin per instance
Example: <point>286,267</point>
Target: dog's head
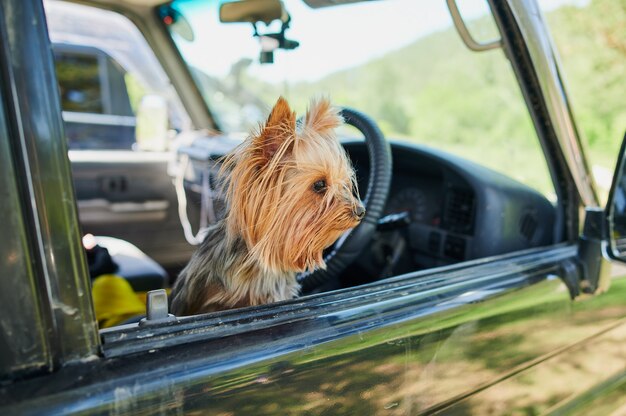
<point>291,189</point>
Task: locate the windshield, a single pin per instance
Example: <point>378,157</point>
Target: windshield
<point>225,58</point>
<point>399,61</point>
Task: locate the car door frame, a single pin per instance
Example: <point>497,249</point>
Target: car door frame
<point>39,148</point>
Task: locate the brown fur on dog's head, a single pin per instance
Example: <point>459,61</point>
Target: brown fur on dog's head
<point>291,190</point>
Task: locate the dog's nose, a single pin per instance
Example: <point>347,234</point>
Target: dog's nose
<point>359,211</point>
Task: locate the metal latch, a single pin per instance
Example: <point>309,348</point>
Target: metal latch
<point>157,308</point>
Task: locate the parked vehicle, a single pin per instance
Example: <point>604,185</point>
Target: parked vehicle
<point>120,113</point>
<point>476,289</point>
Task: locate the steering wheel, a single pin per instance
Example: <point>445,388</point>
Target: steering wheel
<point>346,249</point>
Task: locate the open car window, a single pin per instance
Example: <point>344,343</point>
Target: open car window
<point>469,173</point>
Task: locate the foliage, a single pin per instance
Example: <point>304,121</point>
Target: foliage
<point>592,46</point>
<point>135,89</point>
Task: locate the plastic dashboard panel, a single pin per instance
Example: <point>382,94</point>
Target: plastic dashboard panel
<point>480,212</point>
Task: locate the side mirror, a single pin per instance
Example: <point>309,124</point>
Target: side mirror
<point>252,11</point>
<point>152,125</point>
<point>616,208</point>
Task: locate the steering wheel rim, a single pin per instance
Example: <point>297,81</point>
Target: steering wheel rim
<point>350,245</point>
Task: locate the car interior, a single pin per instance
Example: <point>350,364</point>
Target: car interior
<point>442,205</point>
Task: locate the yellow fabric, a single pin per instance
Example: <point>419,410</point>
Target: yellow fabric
<point>115,301</point>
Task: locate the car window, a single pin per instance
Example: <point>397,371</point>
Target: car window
<point>403,64</point>
<point>418,81</point>
<point>108,77</point>
<point>589,37</point>
<point>79,82</point>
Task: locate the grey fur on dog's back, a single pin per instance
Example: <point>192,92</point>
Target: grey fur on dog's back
<point>203,285</point>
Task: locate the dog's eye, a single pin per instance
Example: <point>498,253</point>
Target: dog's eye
<point>319,186</point>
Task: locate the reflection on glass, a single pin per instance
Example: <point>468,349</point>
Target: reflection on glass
<point>500,353</point>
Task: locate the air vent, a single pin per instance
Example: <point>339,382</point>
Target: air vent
<point>459,214</point>
<point>528,226</point>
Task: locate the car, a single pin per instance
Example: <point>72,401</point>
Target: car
<point>483,284</point>
<point>109,79</point>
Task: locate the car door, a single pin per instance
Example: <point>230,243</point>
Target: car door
<point>122,190</point>
<point>476,337</point>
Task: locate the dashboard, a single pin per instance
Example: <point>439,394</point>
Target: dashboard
<point>455,211</point>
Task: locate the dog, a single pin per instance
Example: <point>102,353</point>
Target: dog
<point>290,192</point>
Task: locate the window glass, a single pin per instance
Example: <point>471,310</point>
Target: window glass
<point>106,72</point>
<point>590,37</point>
<point>403,63</point>
<point>79,83</point>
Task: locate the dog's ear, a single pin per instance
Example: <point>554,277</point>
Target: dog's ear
<point>279,128</point>
<point>321,117</point>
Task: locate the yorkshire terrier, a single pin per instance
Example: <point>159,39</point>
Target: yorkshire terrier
<point>290,192</point>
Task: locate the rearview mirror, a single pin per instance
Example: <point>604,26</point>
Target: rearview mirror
<point>616,208</point>
<point>252,11</point>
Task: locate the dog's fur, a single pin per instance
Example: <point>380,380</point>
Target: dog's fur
<point>277,221</point>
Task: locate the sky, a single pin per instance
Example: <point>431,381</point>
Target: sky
<point>330,39</point>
